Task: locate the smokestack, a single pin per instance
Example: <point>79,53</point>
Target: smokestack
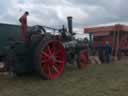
<point>70,24</point>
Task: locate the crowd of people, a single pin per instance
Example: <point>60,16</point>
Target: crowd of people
<point>101,54</point>
<point>104,52</point>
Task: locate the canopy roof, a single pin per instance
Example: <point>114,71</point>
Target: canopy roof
<point>102,29</point>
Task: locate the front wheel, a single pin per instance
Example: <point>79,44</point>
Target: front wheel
<point>82,61</point>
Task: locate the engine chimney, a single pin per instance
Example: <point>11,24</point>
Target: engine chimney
<point>70,29</point>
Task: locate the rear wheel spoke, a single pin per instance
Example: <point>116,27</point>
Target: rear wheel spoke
<point>49,50</point>
<point>57,53</point>
<point>55,68</point>
<point>45,54</point>
<point>59,61</point>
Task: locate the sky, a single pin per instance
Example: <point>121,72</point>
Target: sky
<point>54,13</point>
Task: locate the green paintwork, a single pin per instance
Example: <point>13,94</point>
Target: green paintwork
<point>8,31</point>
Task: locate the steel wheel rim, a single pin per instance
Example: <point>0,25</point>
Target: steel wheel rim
<point>53,59</point>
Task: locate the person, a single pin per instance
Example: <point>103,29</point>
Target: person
<point>108,52</point>
<point>23,21</point>
<point>100,51</point>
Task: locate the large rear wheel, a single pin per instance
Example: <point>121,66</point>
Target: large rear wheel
<point>51,58</point>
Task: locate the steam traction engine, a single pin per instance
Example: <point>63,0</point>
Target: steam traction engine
<point>45,53</point>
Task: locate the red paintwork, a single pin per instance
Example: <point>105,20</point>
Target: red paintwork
<point>83,59</point>
<point>24,27</point>
<point>103,34</point>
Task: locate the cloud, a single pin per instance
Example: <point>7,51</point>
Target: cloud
<point>54,12</point>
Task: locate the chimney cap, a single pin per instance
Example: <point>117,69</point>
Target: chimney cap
<point>69,17</point>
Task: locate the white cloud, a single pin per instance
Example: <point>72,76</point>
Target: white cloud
<point>77,13</point>
<point>54,12</point>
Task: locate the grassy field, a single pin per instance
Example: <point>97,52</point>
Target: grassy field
<point>96,80</point>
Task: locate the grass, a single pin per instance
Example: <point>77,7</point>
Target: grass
<point>96,80</point>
